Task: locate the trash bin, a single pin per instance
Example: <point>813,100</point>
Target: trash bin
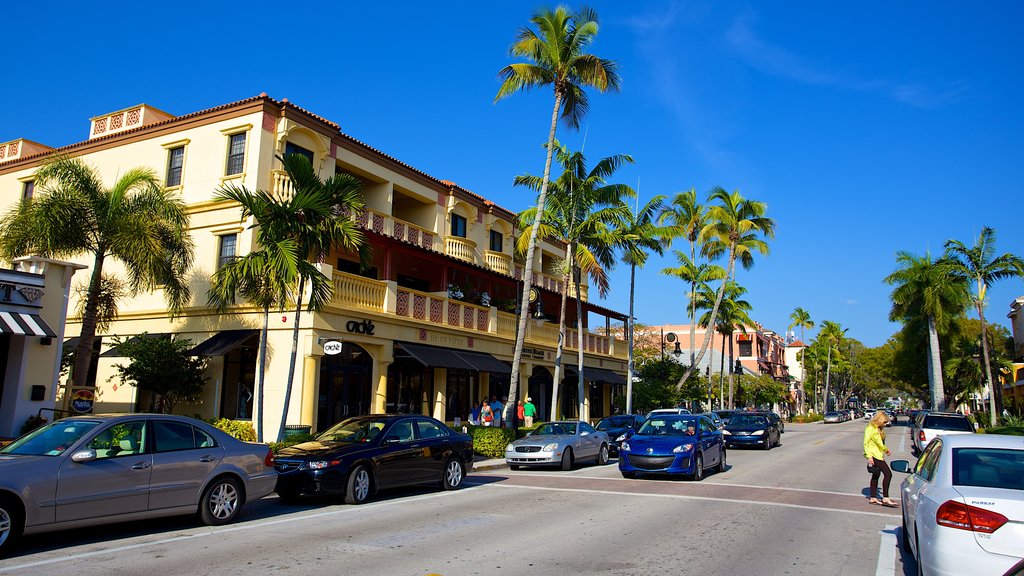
<point>296,429</point>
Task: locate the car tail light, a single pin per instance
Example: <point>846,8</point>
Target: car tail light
<point>953,514</point>
<point>268,460</point>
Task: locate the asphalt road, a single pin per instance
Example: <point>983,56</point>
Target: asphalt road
<point>797,509</point>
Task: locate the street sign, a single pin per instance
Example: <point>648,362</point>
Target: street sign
<point>82,401</point>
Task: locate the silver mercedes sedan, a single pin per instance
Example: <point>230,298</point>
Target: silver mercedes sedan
<point>558,443</point>
<point>111,468</point>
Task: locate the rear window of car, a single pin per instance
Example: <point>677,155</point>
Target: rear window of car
<point>953,423</point>
<point>988,467</point>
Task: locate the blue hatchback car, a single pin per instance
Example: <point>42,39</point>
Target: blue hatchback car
<point>682,444</point>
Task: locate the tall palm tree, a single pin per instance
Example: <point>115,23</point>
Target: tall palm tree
<point>831,335</point>
<point>801,318</point>
<point>686,217</point>
<point>979,264</point>
<point>135,222</point>
<point>555,56</point>
<point>734,228</point>
<point>733,314</point>
<point>583,212</point>
<point>927,290</point>
<point>638,235</point>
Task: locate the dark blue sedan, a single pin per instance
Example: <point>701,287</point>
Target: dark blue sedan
<point>673,444</point>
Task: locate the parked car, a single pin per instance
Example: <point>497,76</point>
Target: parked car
<point>751,429</point>
<point>725,415</point>
<point>663,411</point>
<point>869,414</point>
<point>715,420</point>
<point>774,417</point>
<point>359,456</point>
<point>833,417</point>
<point>929,425</point>
<point>616,428</point>
<point>97,469</point>
<point>673,444</point>
<point>560,444</point>
<point>893,417</point>
<point>963,505</point>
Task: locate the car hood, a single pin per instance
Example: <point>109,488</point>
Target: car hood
<point>640,442</point>
<point>545,439</point>
<point>12,465</point>
<point>746,428</point>
<point>314,449</point>
<point>614,433</point>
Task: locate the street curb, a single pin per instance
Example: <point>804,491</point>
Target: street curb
<point>481,467</point>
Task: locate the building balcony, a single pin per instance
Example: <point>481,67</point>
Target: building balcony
<point>460,248</point>
<point>499,262</point>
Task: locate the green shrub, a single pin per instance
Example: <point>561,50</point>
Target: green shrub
<point>803,419</point>
<point>34,421</point>
<point>241,429</point>
<point>290,441</point>
<point>1011,430</point>
<point>489,441</point>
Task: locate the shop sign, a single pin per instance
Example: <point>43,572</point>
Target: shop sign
<point>534,353</point>
<point>360,327</point>
<point>82,401</point>
<point>332,347</point>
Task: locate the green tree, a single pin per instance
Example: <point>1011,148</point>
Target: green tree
<point>163,367</point>
<point>801,318</point>
<point>555,56</point>
<point>733,314</point>
<point>927,291</point>
<point>135,222</point>
<point>980,265</point>
<point>832,335</point>
<point>685,218</point>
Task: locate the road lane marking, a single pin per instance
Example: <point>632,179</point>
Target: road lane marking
<point>783,488</point>
<point>819,442</point>
<point>685,497</point>
<point>887,552</point>
<point>903,443</point>
<point>342,509</point>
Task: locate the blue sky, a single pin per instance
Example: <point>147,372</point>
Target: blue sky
<point>867,127</point>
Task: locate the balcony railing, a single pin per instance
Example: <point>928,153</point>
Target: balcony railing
<point>355,291</point>
<point>460,248</point>
<point>281,185</point>
<point>440,310</point>
<point>499,262</point>
<point>548,282</point>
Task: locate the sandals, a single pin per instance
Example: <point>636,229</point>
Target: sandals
<point>884,502</point>
<point>874,501</point>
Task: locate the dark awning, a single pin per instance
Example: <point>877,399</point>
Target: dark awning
<point>115,352</point>
<point>603,375</point>
<point>70,344</point>
<point>24,324</point>
<point>222,342</point>
<point>485,362</point>
<point>435,357</point>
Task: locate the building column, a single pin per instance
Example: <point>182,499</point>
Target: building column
<point>440,393</point>
<point>379,385</point>
<point>310,384</point>
<point>483,386</point>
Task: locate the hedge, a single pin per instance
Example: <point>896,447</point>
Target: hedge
<point>241,429</point>
<point>491,442</point>
<point>1010,430</point>
<point>290,441</point>
<point>803,419</point>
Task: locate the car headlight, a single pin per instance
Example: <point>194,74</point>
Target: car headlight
<point>621,438</point>
<point>624,447</point>
<point>757,432</point>
<point>510,448</point>
<point>321,464</point>
<point>682,448</point>
<point>726,432</point>
<point>550,447</point>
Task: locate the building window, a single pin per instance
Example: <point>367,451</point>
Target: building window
<point>27,189</point>
<point>175,160</point>
<point>497,241</point>
<point>458,226</point>
<point>290,149</point>
<point>227,251</point>
<point>236,154</point>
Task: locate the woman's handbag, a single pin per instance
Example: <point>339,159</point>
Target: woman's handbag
<point>872,469</point>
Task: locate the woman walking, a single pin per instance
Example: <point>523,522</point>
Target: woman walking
<point>875,451</point>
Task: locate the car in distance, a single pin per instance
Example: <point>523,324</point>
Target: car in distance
<point>663,411</point>
<point>673,444</point>
<point>560,443</point>
<point>715,420</point>
<point>97,469</point>
<point>834,417</point>
<point>963,505</point>
<point>616,428</point>
<point>932,424</point>
<point>751,429</point>
<point>359,456</point>
<point>725,415</point>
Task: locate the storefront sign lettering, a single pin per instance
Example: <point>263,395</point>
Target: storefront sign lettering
<point>534,353</point>
<point>82,401</point>
<point>363,327</point>
<point>452,341</point>
<point>332,347</point>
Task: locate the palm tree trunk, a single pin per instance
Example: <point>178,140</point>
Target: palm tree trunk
<point>629,328</point>
<point>828,379</point>
<point>935,367</point>
<point>83,353</point>
<point>732,361</point>
<point>995,394</point>
<point>711,319</point>
<point>261,375</point>
<point>291,360</point>
<point>517,356</point>
<point>721,378</point>
<point>580,390</point>
<point>561,339</point>
<point>693,304</point>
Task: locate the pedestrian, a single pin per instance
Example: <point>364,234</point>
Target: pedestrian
<point>486,415</point>
<point>875,452</point>
<point>519,411</point>
<point>529,412</point>
<point>497,406</point>
<point>474,414</point>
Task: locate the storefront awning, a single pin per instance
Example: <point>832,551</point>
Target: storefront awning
<point>222,342</point>
<point>597,375</point>
<point>115,352</point>
<point>24,324</point>
<point>485,362</point>
<point>435,357</point>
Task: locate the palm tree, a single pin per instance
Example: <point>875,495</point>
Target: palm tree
<point>555,57</point>
<point>637,236</point>
<point>136,222</point>
<point>802,318</point>
<point>831,335</point>
<point>734,227</point>
<point>927,290</point>
<point>583,212</point>
<point>686,217</point>
<point>732,315</point>
<point>978,264</point>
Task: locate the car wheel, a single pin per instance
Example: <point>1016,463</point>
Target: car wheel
<point>778,441</point>
<point>768,442</point>
<point>567,459</point>
<point>698,468</point>
<point>358,489</point>
<point>629,475</point>
<point>917,560</point>
<point>904,537</point>
<point>453,474</point>
<point>220,502</point>
<point>721,462</point>
<point>288,496</point>
<point>10,524</point>
<point>602,455</point>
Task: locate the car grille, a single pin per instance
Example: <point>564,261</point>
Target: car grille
<point>527,448</point>
<point>651,462</point>
<point>287,465</point>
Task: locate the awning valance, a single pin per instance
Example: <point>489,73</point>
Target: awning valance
<point>222,342</point>
<point>597,375</point>
<point>433,357</point>
<point>485,362</point>
<point>24,324</point>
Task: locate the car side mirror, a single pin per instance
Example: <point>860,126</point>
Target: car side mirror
<point>584,433</point>
<point>901,466</point>
<point>83,456</point>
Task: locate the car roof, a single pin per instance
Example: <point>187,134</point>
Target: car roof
<point>1004,441</point>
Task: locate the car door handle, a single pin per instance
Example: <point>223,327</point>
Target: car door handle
<point>141,466</point>
<point>207,459</point>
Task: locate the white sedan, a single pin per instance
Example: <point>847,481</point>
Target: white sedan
<point>963,504</point>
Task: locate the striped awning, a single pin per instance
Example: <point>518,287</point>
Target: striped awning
<point>24,324</point>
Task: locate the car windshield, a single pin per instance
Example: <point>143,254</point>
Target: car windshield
<point>831,413</point>
<point>988,467</point>
<point>354,430</point>
<point>555,429</point>
<point>952,423</point>
<point>724,413</point>
<point>747,420</point>
<point>614,422</point>
<point>669,426</point>
<point>50,440</point>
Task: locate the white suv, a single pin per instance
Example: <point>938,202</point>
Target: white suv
<point>667,411</point>
<point>932,424</point>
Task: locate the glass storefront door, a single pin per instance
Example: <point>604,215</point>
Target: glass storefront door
<point>344,388</point>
